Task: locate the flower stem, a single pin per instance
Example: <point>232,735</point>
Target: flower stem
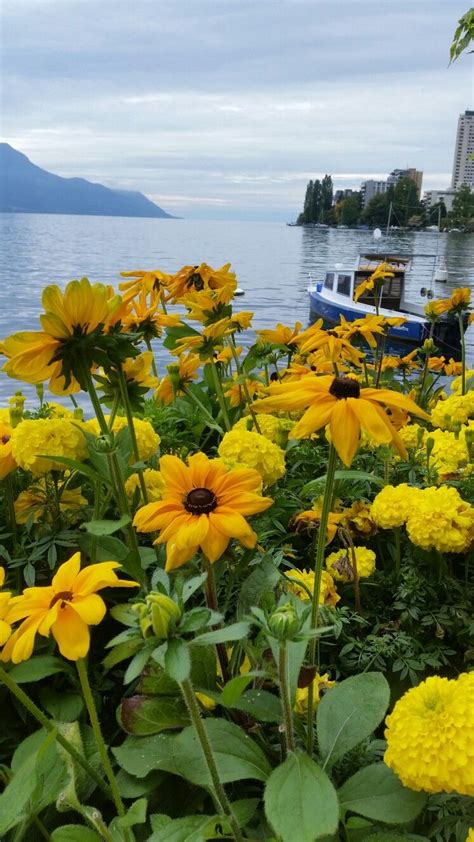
<point>285,696</point>
<point>10,507</point>
<point>194,398</point>
<point>244,383</point>
<point>318,569</point>
<point>220,395</point>
<point>199,726</point>
<point>463,353</point>
<point>103,752</point>
<point>153,361</point>
<point>131,427</point>
<point>211,602</point>
<point>50,726</point>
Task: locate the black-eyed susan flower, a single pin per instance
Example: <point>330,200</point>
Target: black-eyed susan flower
<point>179,376</point>
<point>66,609</point>
<point>281,335</point>
<point>374,282</point>
<point>341,403</point>
<point>143,282</point>
<point>203,506</point>
<point>196,278</point>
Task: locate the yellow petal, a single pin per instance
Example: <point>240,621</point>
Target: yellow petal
<point>373,419</point>
<point>345,431</point>
<point>90,608</point>
<point>63,581</point>
<point>71,634</point>
<point>317,416</point>
<point>176,557</point>
<point>192,533</point>
<point>214,544</point>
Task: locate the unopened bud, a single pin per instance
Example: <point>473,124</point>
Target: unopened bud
<point>164,612</point>
<point>105,443</point>
<point>284,622</point>
<point>429,444</point>
<point>469,439</point>
<point>143,618</point>
<point>78,414</point>
<point>40,391</point>
<point>456,428</point>
<point>17,403</point>
<point>428,346</point>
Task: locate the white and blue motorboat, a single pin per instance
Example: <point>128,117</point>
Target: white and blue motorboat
<point>334,296</point>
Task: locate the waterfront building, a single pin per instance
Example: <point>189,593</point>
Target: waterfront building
<point>345,193</point>
<point>371,188</point>
<point>463,164</point>
<point>432,197</point>
<point>410,172</point>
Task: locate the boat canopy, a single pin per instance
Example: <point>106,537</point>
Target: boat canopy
<point>368,262</point>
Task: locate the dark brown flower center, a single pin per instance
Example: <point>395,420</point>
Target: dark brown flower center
<point>63,596</point>
<point>200,501</point>
<point>344,387</point>
<point>5,439</point>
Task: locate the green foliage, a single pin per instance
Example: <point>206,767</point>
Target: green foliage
<point>463,35</point>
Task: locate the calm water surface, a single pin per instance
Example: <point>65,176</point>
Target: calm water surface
<point>272,261</point>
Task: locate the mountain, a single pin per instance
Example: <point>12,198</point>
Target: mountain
<point>26,188</point>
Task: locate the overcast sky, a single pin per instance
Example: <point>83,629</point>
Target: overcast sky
<point>225,108</point>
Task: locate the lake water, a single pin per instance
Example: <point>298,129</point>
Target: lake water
<point>272,261</point>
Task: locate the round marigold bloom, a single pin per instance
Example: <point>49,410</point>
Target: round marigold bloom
<point>328,594</point>
<point>7,462</point>
<point>340,564</point>
<point>66,608</point>
<point>449,454</point>
<point>203,506</point>
<point>430,736</point>
<point>147,439</point>
<point>320,683</point>
<point>36,443</point>
<point>246,449</point>
<point>411,436</point>
<point>391,507</point>
<point>457,409</point>
<point>273,428</point>
<point>153,481</point>
<point>440,519</point>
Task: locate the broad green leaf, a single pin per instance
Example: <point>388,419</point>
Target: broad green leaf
<point>237,756</point>
<point>188,829</point>
<point>260,704</point>
<point>262,580</point>
<point>77,466</point>
<point>178,660</point>
<point>140,715</point>
<point>236,631</point>
<point>132,787</point>
<point>393,836</point>
<point>136,814</point>
<point>234,689</point>
<point>74,833</point>
<point>345,476</point>
<point>300,799</point>
<point>36,668</point>
<point>16,795</point>
<point>106,527</point>
<point>107,547</point>
<point>377,793</point>
<point>62,706</point>
<point>350,713</point>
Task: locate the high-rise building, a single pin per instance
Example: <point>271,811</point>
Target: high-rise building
<point>413,174</point>
<point>371,188</point>
<point>463,165</point>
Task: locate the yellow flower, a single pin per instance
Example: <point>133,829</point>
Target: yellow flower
<point>456,409</point>
<point>470,835</point>
<point>147,439</point>
<point>391,507</point>
<point>459,301</point>
<point>66,608</point>
<point>341,403</point>
<point>7,462</point>
<point>456,368</point>
<point>245,449</point>
<point>153,481</point>
<point>357,519</point>
<point>235,394</point>
<point>450,453</point>
<point>340,564</point>
<point>331,347</point>
<point>47,437</point>
<point>138,370</point>
<point>430,736</point>
<point>404,364</point>
<point>203,277</point>
<point>179,376</point>
<point>411,436</point>
<point>206,343</point>
<point>203,506</point>
<point>281,335</point>
<point>320,683</point>
<point>242,320</point>
<point>302,585</point>
<point>375,280</point>
<point>5,629</point>
<point>310,519</point>
<point>437,364</point>
<point>440,519</point>
<point>34,503</point>
<point>143,283</point>
<point>273,428</point>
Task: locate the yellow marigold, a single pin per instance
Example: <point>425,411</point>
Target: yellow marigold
<point>357,519</point>
<point>411,436</point>
<point>273,428</point>
<point>449,454</point>
<point>245,449</point>
<point>440,519</point>
<point>147,439</point>
<point>457,409</point>
<point>153,481</point>
<point>4,416</point>
<point>302,585</point>
<point>470,835</point>
<point>340,564</point>
<point>430,736</point>
<point>50,437</point>
<point>33,502</point>
<point>321,683</point>
<point>392,505</point>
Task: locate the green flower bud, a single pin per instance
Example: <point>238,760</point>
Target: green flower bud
<point>78,414</point>
<point>17,403</point>
<point>143,618</point>
<point>164,612</point>
<point>105,444</point>
<point>429,444</point>
<point>284,622</point>
<point>428,346</point>
<point>456,428</point>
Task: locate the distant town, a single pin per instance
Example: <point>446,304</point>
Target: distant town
<point>398,201</point>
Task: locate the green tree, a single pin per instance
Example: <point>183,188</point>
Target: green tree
<point>463,35</point>
<point>326,197</point>
<point>348,211</point>
<point>305,215</point>
<point>462,210</point>
<point>316,206</point>
<point>377,210</point>
<point>405,202</point>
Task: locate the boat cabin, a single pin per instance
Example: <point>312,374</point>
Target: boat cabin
<point>344,282</point>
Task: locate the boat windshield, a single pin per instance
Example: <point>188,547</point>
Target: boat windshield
<point>329,280</point>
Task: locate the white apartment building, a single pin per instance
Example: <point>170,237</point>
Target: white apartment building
<point>371,188</point>
<point>463,165</point>
<point>432,197</point>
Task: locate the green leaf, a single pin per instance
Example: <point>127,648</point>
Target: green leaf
<point>138,663</point>
<point>16,795</point>
<point>377,793</point>
<point>62,706</point>
<point>260,704</point>
<point>350,713</point>
<point>107,548</point>
<point>105,527</point>
<point>74,833</point>
<point>234,689</point>
<point>236,631</point>
<point>36,668</point>
<point>132,787</point>
<point>136,814</point>
<point>237,756</point>
<point>354,476</point>
<point>140,715</point>
<point>178,660</point>
<point>76,466</point>
<point>188,829</point>
<point>299,797</point>
<point>392,836</point>
<point>262,580</point>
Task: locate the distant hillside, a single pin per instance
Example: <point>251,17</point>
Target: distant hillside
<point>26,188</point>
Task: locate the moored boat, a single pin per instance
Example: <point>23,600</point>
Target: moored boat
<point>334,296</point>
